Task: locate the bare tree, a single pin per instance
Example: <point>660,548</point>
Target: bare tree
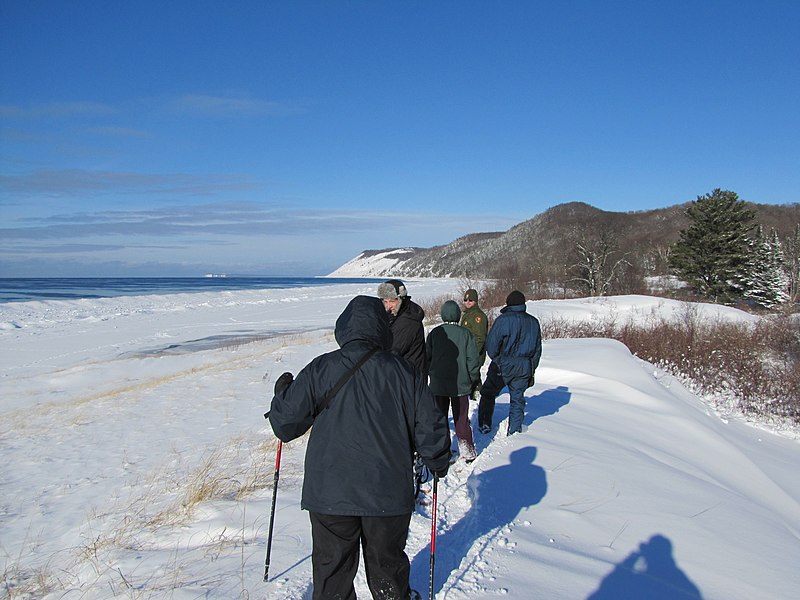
<point>599,263</point>
<point>792,263</point>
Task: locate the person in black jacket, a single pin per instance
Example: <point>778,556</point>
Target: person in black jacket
<point>405,319</point>
<point>358,480</point>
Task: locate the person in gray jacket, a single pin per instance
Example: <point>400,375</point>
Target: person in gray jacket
<point>358,483</point>
<point>454,371</point>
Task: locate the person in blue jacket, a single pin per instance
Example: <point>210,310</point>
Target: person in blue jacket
<point>358,483</point>
<point>514,344</point>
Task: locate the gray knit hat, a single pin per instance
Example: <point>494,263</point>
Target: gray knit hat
<point>392,289</point>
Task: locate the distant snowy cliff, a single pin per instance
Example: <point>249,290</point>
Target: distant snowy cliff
<point>376,263</point>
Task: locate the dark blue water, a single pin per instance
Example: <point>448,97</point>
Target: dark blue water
<point>71,288</point>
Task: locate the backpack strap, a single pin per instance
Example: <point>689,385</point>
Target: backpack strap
<point>344,379</point>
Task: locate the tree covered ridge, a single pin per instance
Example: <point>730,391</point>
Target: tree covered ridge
<point>577,249</point>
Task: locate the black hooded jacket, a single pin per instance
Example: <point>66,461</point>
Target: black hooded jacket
<point>359,456</point>
<point>409,334</point>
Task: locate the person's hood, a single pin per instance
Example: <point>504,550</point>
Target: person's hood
<point>364,319</point>
<point>450,312</point>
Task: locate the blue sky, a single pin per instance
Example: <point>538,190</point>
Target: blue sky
<point>282,138</point>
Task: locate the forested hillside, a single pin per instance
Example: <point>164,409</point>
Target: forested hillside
<point>553,247</point>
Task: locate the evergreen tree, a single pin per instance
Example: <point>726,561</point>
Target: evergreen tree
<point>712,253</point>
<point>767,284</point>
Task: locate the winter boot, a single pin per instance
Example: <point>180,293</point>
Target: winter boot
<point>467,451</point>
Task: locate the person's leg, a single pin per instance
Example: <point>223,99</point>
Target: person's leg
<point>443,402</point>
<point>466,444</point>
<point>491,387</point>
<point>516,409</point>
<point>385,562</point>
<point>334,556</point>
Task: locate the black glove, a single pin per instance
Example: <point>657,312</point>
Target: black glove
<point>284,381</point>
<point>531,381</point>
<point>442,473</point>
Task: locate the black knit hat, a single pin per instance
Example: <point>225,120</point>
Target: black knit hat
<point>515,298</point>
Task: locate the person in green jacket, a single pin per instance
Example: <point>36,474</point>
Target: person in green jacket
<point>454,371</point>
<point>475,320</point>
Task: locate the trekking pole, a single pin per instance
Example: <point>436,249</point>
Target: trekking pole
<point>433,533</point>
<point>272,512</point>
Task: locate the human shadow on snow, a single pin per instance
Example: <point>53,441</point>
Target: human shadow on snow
<point>493,506</point>
<point>648,572</point>
<point>549,402</point>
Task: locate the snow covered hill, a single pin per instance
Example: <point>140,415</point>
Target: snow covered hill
<point>383,263</point>
<point>138,464</point>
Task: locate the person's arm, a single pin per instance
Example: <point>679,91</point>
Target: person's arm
<point>292,411</point>
<point>473,365</point>
<point>431,430</point>
<point>494,340</point>
<point>429,348</point>
<point>537,353</point>
<point>483,330</point>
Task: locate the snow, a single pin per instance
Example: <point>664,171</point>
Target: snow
<point>374,264</point>
<point>635,308</point>
<point>137,463</point>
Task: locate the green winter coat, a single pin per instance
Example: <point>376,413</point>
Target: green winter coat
<point>452,355</point>
<point>475,320</point>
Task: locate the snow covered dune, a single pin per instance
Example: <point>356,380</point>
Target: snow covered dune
<point>137,464</point>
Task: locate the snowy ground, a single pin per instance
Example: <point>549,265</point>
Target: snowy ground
<point>137,464</point>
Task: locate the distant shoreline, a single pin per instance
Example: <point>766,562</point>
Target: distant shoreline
<point>24,289</point>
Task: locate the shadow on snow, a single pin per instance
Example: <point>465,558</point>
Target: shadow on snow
<point>648,572</point>
<point>492,509</point>
<point>545,404</point>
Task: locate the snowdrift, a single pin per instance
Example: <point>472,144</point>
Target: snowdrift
<point>138,464</point>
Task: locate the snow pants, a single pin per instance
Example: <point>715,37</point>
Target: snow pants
<point>336,540</point>
<point>460,408</point>
<point>494,384</point>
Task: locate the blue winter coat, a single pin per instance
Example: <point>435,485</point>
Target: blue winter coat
<point>359,457</point>
<point>515,342</point>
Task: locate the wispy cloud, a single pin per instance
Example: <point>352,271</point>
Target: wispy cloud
<point>55,110</point>
<point>58,248</point>
<point>207,105</point>
<point>119,132</point>
<point>222,220</point>
<point>61,249</point>
<point>80,182</point>
<point>200,104</point>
